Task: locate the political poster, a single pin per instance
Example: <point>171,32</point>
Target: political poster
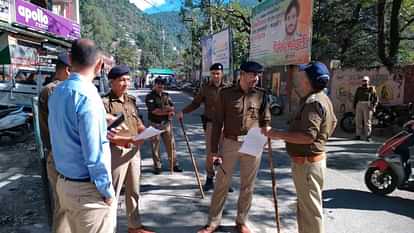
<point>281,32</point>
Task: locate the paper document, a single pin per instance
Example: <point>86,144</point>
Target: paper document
<point>148,132</point>
<point>253,142</point>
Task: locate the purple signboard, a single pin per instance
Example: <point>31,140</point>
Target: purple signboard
<point>36,17</point>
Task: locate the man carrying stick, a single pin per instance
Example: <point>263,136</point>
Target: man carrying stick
<point>239,108</point>
<point>305,140</point>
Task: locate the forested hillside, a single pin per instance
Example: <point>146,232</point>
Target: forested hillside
<point>121,29</point>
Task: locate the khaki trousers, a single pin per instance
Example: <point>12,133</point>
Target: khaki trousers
<point>169,142</point>
<point>308,179</point>
<point>60,223</point>
<point>84,207</point>
<point>209,160</point>
<point>363,119</point>
<point>126,168</point>
<point>248,171</point>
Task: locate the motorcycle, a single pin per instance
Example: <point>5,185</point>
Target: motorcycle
<point>389,171</point>
<point>383,117</point>
<point>14,123</point>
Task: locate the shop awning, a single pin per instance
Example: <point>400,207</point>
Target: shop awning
<point>161,71</point>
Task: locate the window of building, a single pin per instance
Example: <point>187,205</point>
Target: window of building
<point>66,8</point>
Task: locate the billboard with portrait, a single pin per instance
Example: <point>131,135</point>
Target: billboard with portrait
<point>5,10</point>
<point>281,32</point>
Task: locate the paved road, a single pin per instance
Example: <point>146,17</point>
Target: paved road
<point>172,203</point>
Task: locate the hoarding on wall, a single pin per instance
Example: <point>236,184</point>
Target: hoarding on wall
<point>216,49</point>
<point>281,32</point>
<point>389,87</point>
<point>13,53</point>
<point>5,10</point>
<point>35,17</point>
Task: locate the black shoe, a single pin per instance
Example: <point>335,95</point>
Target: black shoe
<point>369,139</point>
<point>357,138</point>
<point>209,184</point>
<point>157,170</point>
<point>231,189</point>
<point>177,169</point>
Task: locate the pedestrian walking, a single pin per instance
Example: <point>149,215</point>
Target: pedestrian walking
<point>59,222</point>
<point>126,158</point>
<point>207,96</point>
<point>160,113</point>
<point>238,109</point>
<point>309,130</point>
<point>78,132</point>
<point>365,102</point>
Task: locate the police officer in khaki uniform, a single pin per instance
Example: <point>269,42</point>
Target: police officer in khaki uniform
<point>160,112</point>
<point>60,223</point>
<point>365,101</point>
<point>305,139</point>
<point>208,95</point>
<point>239,108</point>
<point>126,158</point>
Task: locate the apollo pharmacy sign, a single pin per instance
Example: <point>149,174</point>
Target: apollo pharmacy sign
<point>37,18</point>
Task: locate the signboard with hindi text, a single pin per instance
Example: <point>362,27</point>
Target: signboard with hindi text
<point>281,32</point>
<point>216,48</point>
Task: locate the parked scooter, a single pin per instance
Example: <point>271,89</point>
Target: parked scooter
<point>14,123</point>
<point>390,171</point>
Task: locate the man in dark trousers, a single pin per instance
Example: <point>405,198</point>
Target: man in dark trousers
<point>60,223</point>
<point>207,96</point>
<point>160,113</point>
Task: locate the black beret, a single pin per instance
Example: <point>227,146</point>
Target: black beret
<point>216,66</point>
<point>63,58</point>
<point>251,67</point>
<point>118,71</point>
<point>159,80</point>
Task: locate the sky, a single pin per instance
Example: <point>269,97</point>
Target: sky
<point>160,5</point>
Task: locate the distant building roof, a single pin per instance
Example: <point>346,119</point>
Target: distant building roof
<point>161,71</point>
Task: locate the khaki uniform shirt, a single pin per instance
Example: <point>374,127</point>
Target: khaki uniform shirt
<point>44,113</point>
<point>315,118</point>
<point>238,111</point>
<point>154,101</point>
<point>366,94</point>
<point>207,95</point>
<point>128,107</point>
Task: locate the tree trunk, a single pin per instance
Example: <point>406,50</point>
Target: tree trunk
<point>395,31</point>
<point>382,54</point>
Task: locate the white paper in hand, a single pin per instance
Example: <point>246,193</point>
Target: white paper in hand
<point>148,132</point>
<point>253,142</point>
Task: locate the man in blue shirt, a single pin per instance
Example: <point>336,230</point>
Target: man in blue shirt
<point>78,132</point>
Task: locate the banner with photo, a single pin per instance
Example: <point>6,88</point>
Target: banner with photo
<point>281,32</point>
<point>216,49</point>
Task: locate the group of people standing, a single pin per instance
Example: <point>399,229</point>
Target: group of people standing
<point>88,164</point>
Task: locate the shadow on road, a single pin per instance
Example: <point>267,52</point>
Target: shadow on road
<point>362,200</point>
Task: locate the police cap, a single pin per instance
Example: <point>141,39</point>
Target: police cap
<point>159,80</point>
<point>216,66</point>
<point>63,58</point>
<point>118,71</point>
<point>315,71</point>
<point>251,67</point>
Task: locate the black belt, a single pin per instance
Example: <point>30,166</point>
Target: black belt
<point>85,180</point>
